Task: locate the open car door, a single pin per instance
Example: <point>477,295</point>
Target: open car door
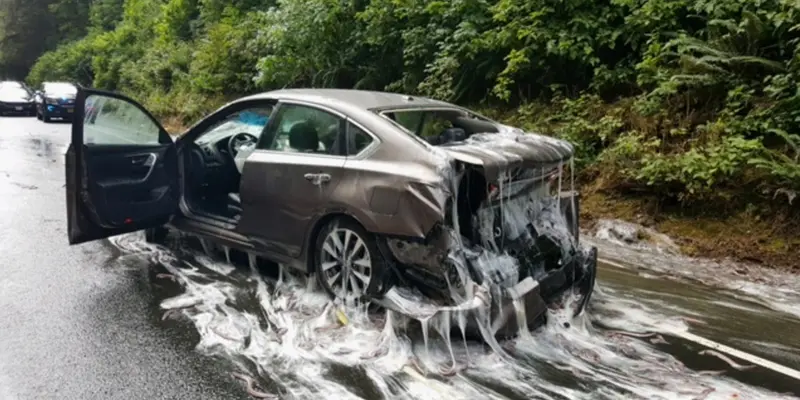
<point>122,168</point>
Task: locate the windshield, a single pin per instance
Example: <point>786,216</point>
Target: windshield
<point>60,89</point>
<point>250,121</point>
<point>14,92</point>
<point>11,84</point>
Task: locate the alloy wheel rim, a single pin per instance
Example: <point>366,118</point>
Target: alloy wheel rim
<point>345,264</point>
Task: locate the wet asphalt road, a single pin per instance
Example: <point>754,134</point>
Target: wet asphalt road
<point>75,323</point>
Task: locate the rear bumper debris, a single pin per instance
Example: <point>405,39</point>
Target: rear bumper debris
<point>523,306</point>
<point>519,307</point>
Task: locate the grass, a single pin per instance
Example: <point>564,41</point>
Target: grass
<point>174,125</point>
<point>743,236</point>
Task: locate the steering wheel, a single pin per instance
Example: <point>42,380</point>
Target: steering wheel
<point>239,140</point>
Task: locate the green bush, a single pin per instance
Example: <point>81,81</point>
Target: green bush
<point>694,101</point>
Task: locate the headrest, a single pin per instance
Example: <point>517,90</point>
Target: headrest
<point>303,137</point>
<point>452,135</point>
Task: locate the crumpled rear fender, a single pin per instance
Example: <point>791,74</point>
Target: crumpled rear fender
<point>409,212</point>
<point>396,199</point>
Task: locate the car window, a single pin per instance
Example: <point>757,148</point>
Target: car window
<point>357,139</point>
<point>250,120</point>
<point>109,120</point>
<point>410,120</point>
<point>305,129</point>
<point>434,124</point>
<point>11,84</point>
<point>14,92</point>
<point>441,126</point>
<point>423,123</point>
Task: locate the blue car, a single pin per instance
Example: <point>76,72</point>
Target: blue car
<point>55,100</point>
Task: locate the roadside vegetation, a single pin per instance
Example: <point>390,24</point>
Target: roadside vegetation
<point>685,113</point>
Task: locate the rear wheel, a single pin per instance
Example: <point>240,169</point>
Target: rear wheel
<point>349,263</point>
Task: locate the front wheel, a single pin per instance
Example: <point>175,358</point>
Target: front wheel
<point>349,263</point>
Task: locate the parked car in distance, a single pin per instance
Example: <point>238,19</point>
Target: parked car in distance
<point>18,84</point>
<point>385,197</point>
<point>55,100</point>
<point>16,100</point>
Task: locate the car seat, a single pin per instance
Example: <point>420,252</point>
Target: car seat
<point>451,135</point>
<point>303,136</point>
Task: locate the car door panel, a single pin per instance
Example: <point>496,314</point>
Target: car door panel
<point>282,194</point>
<point>132,183</point>
<point>121,173</point>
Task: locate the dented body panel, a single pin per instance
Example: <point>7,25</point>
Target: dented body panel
<point>506,151</point>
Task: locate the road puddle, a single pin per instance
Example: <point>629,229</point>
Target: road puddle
<point>294,343</point>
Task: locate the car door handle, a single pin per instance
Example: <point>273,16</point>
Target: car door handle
<point>146,160</point>
<point>318,178</point>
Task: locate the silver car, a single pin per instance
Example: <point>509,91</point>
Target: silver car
<point>418,205</point>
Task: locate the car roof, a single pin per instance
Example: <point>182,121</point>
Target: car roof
<point>57,83</point>
<point>363,99</point>
<point>13,87</point>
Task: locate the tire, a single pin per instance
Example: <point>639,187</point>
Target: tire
<point>45,117</point>
<point>38,115</point>
<point>362,246</point>
<point>156,235</point>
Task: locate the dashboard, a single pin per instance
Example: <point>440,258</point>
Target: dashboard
<point>211,162</point>
<point>216,153</point>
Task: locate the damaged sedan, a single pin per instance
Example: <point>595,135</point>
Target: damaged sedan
<point>420,206</point>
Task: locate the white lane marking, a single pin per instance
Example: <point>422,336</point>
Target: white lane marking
<point>613,263</point>
<point>751,358</point>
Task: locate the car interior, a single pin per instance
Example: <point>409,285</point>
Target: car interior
<point>212,170</point>
<point>216,158</point>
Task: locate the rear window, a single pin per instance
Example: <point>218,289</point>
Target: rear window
<point>440,126</point>
<point>410,120</point>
